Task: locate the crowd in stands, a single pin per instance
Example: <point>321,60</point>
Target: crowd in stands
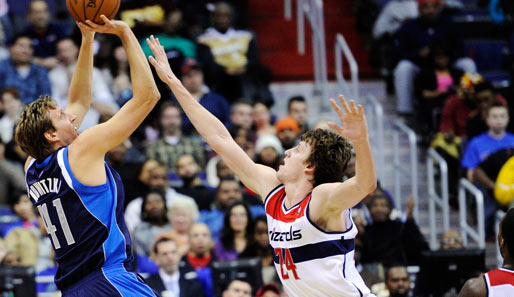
<point>184,207</point>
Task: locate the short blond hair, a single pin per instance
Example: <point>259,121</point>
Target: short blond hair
<point>31,127</point>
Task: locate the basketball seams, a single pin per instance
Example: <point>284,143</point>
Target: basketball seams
<point>113,13</point>
<point>98,10</point>
<point>84,7</point>
<point>72,9</point>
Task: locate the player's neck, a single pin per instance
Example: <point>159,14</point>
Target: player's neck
<point>296,192</point>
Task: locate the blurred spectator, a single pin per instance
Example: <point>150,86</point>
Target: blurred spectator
<point>321,124</point>
<point>154,222</point>
<point>229,191</point>
<point>102,101</point>
<point>11,259</point>
<point>241,114</point>
<point>231,59</point>
<point>451,240</point>
<point>140,186</point>
<point>486,96</point>
<point>398,281</point>
<point>170,281</point>
<point>414,40</point>
<point>145,17</point>
<point>12,178</point>
<point>390,241</point>
<point>32,245</point>
<point>393,15</point>
<point>433,85</point>
<point>268,151</point>
<point>11,106</point>
<point>287,132</point>
<point>157,179</point>
<point>217,169</point>
<point>262,120</point>
<point>349,172</point>
<point>188,170</point>
<point>3,250</point>
<point>171,143</point>
<point>297,109</point>
<point>182,214</point>
<point>23,209</point>
<point>238,288</point>
<point>200,256</point>
<point>171,38</point>
<point>261,249</point>
<point>193,81</point>
<point>268,290</point>
<point>21,73</point>
<point>237,232</point>
<point>44,33</point>
<point>112,61</point>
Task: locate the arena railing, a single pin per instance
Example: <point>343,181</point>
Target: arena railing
<point>498,217</point>
<point>478,235</point>
<point>434,199</point>
<point>341,49</point>
<point>410,172</point>
<point>375,117</point>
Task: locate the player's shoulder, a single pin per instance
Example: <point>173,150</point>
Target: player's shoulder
<point>474,287</point>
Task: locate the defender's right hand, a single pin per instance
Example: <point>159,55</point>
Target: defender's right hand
<point>159,60</point>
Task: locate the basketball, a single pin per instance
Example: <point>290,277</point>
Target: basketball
<point>82,10</point>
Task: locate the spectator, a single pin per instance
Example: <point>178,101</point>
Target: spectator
<point>182,214</point>
<point>238,288</point>
<point>153,222</point>
<point>241,114</point>
<point>22,207</point>
<point>217,169</point>
<point>392,16</point>
<point>102,101</point>
<point>141,185</point>
<point>231,60</point>
<point>157,179</point>
<point>11,259</point>
<point>21,73</point>
<point>262,120</point>
<point>349,172</point>
<point>229,191</point>
<point>268,290</point>
<point>170,280</point>
<point>193,81</point>
<point>297,109</point>
<point>11,105</point>
<point>11,178</point>
<point>44,33</point>
<point>398,281</point>
<point>113,63</point>
<point>188,170</point>
<point>200,256</point>
<point>237,232</point>
<point>486,95</point>
<point>287,132</point>
<point>414,40</point>
<point>171,143</point>
<point>451,240</point>
<point>390,241</point>
<point>269,151</point>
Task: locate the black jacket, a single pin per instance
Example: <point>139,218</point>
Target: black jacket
<point>188,282</point>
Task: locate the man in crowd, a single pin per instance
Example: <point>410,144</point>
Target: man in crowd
<point>188,170</point>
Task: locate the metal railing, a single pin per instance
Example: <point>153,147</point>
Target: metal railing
<point>288,10</point>
<point>441,201</point>
<point>498,217</point>
<point>312,10</point>
<point>341,49</point>
<point>375,118</point>
<point>466,230</point>
<point>412,171</point>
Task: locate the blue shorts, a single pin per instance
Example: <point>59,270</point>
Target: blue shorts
<point>110,281</point>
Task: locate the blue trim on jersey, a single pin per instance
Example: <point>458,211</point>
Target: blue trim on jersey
<point>321,230</point>
<point>268,196</point>
<point>358,289</point>
<point>44,163</point>
<point>486,285</point>
<point>133,288</point>
<point>344,265</point>
<point>319,250</point>
<point>94,199</point>
<point>284,203</point>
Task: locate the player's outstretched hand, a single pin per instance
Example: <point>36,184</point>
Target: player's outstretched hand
<point>353,121</point>
<point>159,60</point>
<point>87,33</point>
<point>110,26</point>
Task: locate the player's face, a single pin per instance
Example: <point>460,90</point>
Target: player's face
<point>238,218</point>
<point>294,163</point>
<point>298,111</point>
<point>238,289</point>
<point>167,256</point>
<point>64,128</point>
<point>229,192</point>
<point>200,239</point>
<point>181,220</point>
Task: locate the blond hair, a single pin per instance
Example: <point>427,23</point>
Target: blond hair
<point>33,123</point>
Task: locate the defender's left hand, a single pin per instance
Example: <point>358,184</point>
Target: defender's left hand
<point>353,121</point>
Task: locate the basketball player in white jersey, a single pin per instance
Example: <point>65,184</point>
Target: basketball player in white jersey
<point>498,282</point>
<point>307,205</point>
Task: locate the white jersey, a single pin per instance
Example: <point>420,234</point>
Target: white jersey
<point>309,261</point>
<point>500,282</point>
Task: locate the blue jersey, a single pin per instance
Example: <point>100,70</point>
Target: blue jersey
<point>85,223</point>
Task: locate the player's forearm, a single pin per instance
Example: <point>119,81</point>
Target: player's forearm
<point>365,172</point>
<point>211,129</point>
<point>82,80</point>
<point>143,84</point>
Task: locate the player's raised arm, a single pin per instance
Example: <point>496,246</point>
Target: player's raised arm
<point>93,143</point>
<point>341,196</point>
<point>80,92</point>
<point>259,178</point>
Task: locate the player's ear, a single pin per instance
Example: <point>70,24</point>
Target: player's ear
<point>309,171</point>
<point>51,136</point>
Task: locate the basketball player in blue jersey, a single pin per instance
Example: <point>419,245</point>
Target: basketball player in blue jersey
<point>307,206</point>
<point>79,197</point>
